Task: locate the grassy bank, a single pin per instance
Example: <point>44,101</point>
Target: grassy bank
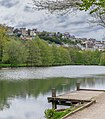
<point>29,65</point>
<point>12,65</point>
<point>53,114</point>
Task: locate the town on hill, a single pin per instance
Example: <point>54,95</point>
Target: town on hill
<point>65,39</point>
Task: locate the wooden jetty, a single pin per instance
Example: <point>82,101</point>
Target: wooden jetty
<point>79,96</point>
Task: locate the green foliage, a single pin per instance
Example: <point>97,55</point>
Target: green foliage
<point>65,57</point>
<point>52,39</point>
<point>102,59</point>
<point>39,52</point>
<point>14,53</point>
<point>49,114</point>
<point>91,57</point>
<point>45,52</point>
<point>33,53</point>
<point>94,5</point>
<point>3,40</point>
<point>52,114</point>
<point>76,56</point>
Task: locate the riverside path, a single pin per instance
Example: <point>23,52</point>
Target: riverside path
<point>95,111</point>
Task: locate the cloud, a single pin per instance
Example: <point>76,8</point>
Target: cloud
<point>9,3</point>
<point>28,9</point>
<point>19,13</point>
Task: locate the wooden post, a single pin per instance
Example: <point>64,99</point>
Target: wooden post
<point>53,92</point>
<point>54,106</point>
<point>78,86</point>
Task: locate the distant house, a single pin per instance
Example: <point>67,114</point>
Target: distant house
<point>66,35</point>
<point>89,44</point>
<point>100,46</point>
<point>32,33</point>
<point>23,31</point>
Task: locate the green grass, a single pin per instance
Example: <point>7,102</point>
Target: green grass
<point>61,114</point>
<point>53,114</point>
<point>13,65</point>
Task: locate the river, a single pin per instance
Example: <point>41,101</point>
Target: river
<point>24,91</point>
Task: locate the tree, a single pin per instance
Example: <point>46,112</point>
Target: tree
<point>33,51</point>
<point>14,53</point>
<point>76,55</point>
<point>91,57</point>
<point>68,5</point>
<point>65,56</point>
<point>93,5</point>
<point>45,52</point>
<point>97,18</point>
<point>56,55</point>
<point>56,5</point>
<point>3,39</point>
<point>102,59</point>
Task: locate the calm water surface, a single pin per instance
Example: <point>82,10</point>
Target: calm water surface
<point>24,91</point>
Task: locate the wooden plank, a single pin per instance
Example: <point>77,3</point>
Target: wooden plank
<point>81,108</point>
<point>74,97</point>
<point>92,90</point>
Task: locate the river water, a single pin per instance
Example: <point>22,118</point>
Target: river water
<point>24,91</point>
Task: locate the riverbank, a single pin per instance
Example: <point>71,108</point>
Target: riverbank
<point>29,65</point>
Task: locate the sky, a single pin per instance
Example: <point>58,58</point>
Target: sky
<point>20,13</point>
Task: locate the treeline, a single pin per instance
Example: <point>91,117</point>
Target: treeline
<point>37,52</point>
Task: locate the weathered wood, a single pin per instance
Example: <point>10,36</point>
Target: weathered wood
<point>91,90</point>
<point>50,99</point>
<point>72,98</point>
<point>78,86</point>
<point>81,108</point>
<point>54,105</point>
<point>53,92</point>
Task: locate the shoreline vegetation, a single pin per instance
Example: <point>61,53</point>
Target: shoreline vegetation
<point>15,52</point>
<point>61,113</point>
<point>25,65</point>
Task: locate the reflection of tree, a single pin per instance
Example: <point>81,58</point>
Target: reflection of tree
<point>88,82</point>
<point>33,88</point>
<point>3,96</point>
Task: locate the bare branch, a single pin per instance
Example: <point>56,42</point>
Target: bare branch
<point>56,5</point>
<point>98,18</point>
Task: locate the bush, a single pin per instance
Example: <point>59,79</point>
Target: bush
<point>49,113</point>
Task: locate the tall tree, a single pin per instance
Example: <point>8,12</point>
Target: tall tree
<point>14,53</point>
<point>45,51</point>
<point>102,59</point>
<point>3,39</point>
<point>34,56</point>
<point>56,55</point>
<point>65,56</point>
<point>76,55</point>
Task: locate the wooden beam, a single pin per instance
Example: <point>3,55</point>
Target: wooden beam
<point>78,86</point>
<point>54,105</point>
<point>50,99</point>
<point>91,90</point>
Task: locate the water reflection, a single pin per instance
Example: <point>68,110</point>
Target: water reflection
<point>27,99</point>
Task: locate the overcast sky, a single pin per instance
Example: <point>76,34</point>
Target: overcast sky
<point>19,13</point>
